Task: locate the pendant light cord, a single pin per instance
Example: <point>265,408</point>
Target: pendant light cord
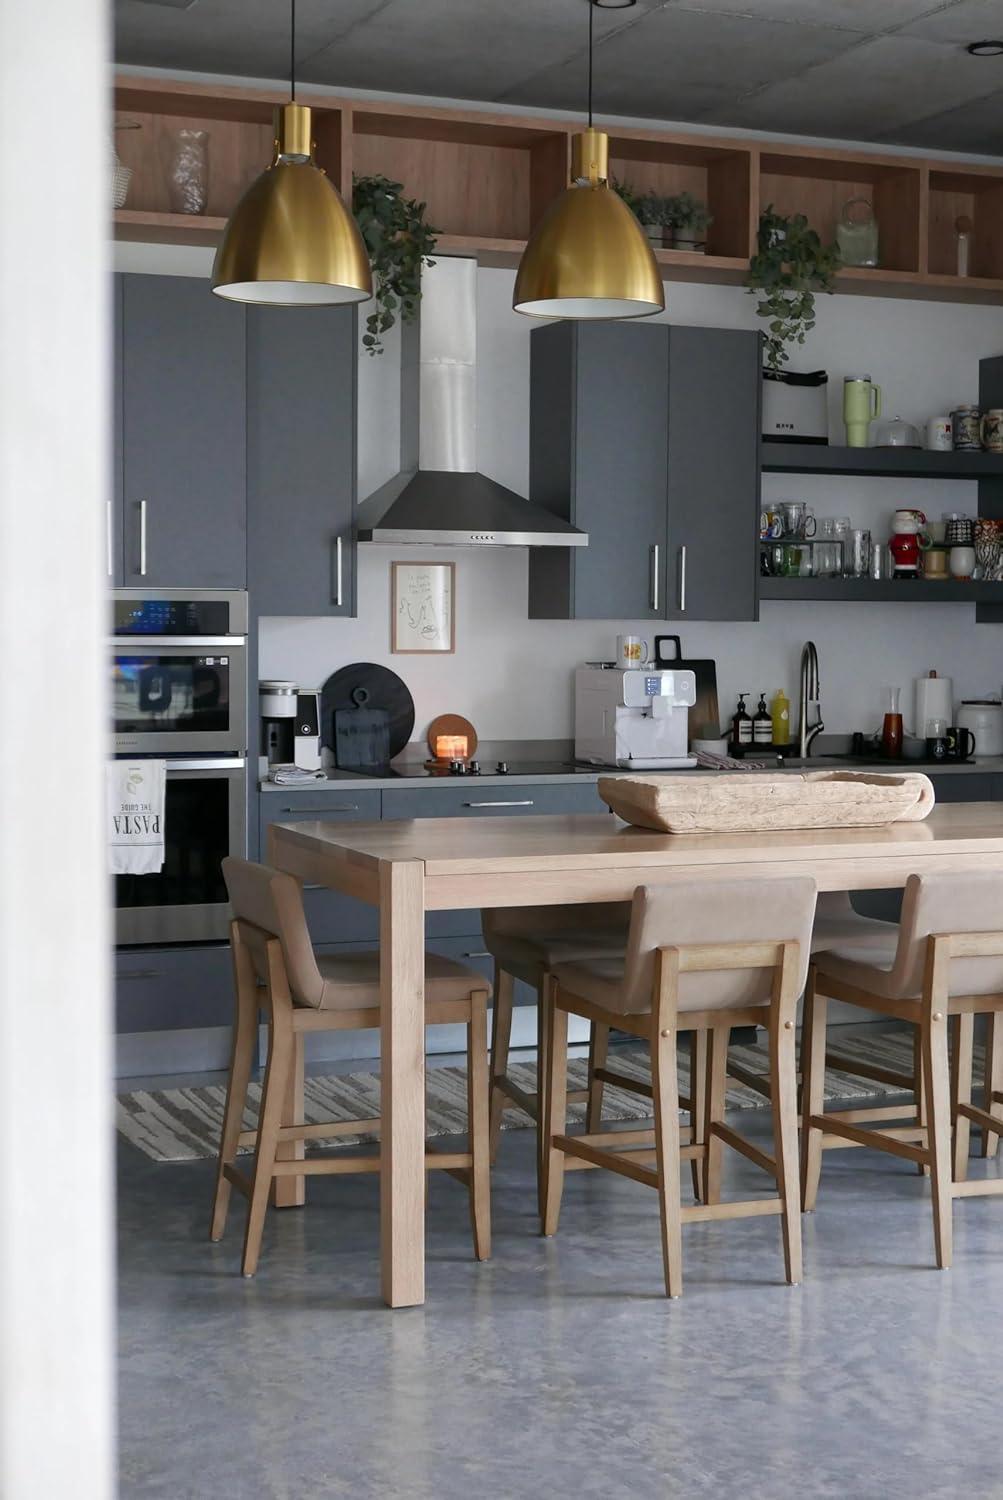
<point>292,51</point>
<point>591,15</point>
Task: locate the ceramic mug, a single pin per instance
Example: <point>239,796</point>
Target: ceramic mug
<point>939,434</point>
<point>991,430</point>
<point>960,743</point>
<point>631,651</point>
<point>966,429</point>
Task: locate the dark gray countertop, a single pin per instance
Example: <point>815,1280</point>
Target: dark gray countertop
<point>339,780</point>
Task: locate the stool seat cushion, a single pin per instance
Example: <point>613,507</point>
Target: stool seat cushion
<point>351,981</point>
<point>546,949</point>
<point>837,925</point>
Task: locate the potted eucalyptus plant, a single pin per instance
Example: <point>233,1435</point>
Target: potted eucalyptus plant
<point>398,238</point>
<point>791,264</point>
<point>689,220</point>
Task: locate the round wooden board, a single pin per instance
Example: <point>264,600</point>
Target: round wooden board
<point>452,724</point>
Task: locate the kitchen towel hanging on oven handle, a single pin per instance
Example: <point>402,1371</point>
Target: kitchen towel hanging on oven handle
<point>136,790</point>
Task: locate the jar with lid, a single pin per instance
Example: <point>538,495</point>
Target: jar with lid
<point>857,233</point>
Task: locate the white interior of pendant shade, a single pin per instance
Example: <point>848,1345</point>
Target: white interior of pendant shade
<point>289,293</point>
<point>588,307</point>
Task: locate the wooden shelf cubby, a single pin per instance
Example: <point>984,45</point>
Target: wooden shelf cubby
<point>487,179</point>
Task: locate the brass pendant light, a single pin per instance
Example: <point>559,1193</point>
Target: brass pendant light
<point>291,241</point>
<point>588,257</point>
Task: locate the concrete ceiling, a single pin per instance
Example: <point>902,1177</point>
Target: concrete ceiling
<point>893,71</point>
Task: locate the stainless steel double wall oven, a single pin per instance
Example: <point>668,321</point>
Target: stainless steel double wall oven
<point>179,693</point>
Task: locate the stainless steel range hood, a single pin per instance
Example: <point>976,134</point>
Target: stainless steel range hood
<point>439,498</point>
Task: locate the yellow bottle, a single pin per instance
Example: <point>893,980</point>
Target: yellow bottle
<point>780,713</point>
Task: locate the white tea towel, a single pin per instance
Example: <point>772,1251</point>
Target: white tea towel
<point>136,816</point>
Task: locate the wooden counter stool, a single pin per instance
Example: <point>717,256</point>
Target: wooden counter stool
<point>947,963</point>
<point>706,956</point>
<point>276,969</point>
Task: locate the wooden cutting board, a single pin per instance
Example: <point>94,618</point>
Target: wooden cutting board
<point>705,715</point>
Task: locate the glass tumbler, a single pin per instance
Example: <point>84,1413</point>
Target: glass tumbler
<point>828,559</point>
<point>858,554</point>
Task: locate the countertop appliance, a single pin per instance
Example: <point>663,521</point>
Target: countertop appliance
<point>290,725</point>
<point>983,718</point>
<point>179,693</point>
<point>636,718</point>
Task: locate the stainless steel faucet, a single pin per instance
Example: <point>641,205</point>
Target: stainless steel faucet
<point>810,692</point>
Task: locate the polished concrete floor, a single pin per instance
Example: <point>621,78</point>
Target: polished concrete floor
<point>559,1368</point>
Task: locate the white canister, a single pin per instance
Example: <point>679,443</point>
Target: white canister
<point>962,563</point>
<point>939,435</point>
<point>277,699</point>
<point>984,721</point>
<point>934,700</point>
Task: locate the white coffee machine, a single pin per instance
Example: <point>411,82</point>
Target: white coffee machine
<point>637,718</point>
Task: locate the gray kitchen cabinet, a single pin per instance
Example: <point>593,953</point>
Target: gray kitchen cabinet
<point>713,474</point>
<point>173,989</point>
<point>301,460</point>
<point>646,437</point>
<point>597,458</point>
<point>331,916</point>
<point>182,435</point>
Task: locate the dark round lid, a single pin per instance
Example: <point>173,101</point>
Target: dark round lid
<point>381,690</point>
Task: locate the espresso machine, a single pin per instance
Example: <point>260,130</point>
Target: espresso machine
<point>290,725</point>
<point>635,718</point>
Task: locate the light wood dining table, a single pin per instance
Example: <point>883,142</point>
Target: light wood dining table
<point>441,864</point>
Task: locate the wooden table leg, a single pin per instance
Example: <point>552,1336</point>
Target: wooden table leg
<point>402,1087</point>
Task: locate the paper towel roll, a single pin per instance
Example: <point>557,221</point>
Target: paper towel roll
<point>934,700</point>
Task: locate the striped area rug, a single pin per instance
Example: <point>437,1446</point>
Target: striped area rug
<point>184,1124</point>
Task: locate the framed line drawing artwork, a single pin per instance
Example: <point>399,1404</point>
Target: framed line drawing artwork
<point>422,607</point>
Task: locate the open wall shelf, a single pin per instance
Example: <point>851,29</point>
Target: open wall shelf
<point>882,591</point>
<point>891,463</point>
<point>487,178</point>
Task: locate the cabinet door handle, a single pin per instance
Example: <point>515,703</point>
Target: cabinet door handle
<point>528,802</point>
<point>337,572</point>
<point>654,576</point>
<point>108,541</point>
<point>142,538</point>
<point>482,953</point>
<point>682,580</point>
<point>329,807</point>
<point>141,974</point>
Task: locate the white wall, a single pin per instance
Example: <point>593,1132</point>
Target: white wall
<point>512,676</point>
<point>56,1391</point>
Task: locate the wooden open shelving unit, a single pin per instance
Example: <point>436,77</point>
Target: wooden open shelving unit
<point>487,178</point>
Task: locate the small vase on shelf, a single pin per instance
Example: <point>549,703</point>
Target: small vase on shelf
<point>187,170</point>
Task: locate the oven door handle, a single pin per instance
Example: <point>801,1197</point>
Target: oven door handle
<point>165,642</point>
<point>201,763</point>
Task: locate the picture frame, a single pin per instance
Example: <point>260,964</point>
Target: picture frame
<point>422,608</point>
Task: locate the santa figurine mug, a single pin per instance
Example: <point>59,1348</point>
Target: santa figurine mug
<point>906,541</point>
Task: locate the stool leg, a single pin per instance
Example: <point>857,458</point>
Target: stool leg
<point>290,1192</point>
<point>993,1078</point>
<point>938,1114</point>
<point>698,1108</point>
<point>280,1061</point>
<point>812,1091</point>
<point>542,1083</point>
<point>598,1053</point>
<point>717,1071</point>
<point>501,1036</point>
<point>554,1120</point>
<point>784,1103</point>
<point>241,1061</point>
<point>919,1089</point>
<point>961,1091</point>
<point>665,1097</point>
<point>478,1124</point>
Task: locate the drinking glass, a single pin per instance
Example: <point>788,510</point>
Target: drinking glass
<point>858,554</point>
<point>828,559</point>
<point>891,729</point>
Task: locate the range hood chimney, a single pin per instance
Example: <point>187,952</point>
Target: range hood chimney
<point>440,498</point>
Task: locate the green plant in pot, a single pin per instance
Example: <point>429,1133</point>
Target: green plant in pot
<point>689,221</point>
<point>398,239</point>
<point>791,264</point>
<point>651,210</point>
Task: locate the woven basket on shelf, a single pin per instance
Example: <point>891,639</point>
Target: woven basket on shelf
<point>752,804</point>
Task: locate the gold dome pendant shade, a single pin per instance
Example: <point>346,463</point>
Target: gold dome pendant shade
<point>588,257</point>
<point>291,241</point>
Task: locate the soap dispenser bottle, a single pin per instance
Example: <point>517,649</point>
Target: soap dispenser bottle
<point>780,713</point>
<point>762,724</point>
<point>741,727</point>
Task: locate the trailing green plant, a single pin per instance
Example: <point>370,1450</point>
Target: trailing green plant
<point>398,238</point>
<point>683,211</point>
<point>791,264</point>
